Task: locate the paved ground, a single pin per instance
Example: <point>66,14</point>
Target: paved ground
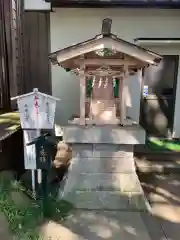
<point>98,225</point>
<point>163,191</point>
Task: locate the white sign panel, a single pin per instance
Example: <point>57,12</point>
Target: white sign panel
<point>30,151</point>
<point>27,112</point>
<point>47,107</point>
<point>145,91</point>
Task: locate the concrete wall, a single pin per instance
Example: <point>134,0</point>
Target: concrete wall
<point>70,26</point>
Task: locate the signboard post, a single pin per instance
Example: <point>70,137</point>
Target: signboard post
<point>43,149</point>
<point>37,111</point>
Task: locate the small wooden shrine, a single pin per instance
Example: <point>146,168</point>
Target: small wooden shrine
<point>102,173</point>
<point>103,65</point>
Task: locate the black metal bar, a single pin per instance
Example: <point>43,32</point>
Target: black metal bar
<point>126,4</point>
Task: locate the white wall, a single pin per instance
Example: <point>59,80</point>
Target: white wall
<point>70,26</point>
<point>36,5</point>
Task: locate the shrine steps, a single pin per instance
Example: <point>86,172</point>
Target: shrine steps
<point>103,176</point>
<point>107,200</point>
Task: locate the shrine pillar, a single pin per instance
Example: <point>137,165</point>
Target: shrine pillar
<point>123,91</point>
<point>82,97</point>
<point>139,79</point>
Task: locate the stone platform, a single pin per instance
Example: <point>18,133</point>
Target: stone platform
<point>107,134</point>
<point>102,174</point>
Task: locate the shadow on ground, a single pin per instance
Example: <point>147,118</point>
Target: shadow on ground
<point>126,224</point>
<point>163,193</point>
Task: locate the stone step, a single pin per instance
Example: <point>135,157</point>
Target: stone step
<point>104,181</point>
<point>102,150</point>
<point>103,165</point>
<point>108,134</point>
<point>144,165</point>
<point>109,200</point>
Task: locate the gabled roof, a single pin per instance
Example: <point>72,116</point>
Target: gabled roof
<point>105,40</point>
<point>35,90</point>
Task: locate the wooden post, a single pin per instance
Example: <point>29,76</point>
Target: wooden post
<point>118,103</point>
<point>122,107</point>
<point>82,94</point>
<point>123,97</point>
<point>140,81</point>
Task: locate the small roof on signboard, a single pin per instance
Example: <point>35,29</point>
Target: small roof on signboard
<point>35,90</point>
<point>105,40</point>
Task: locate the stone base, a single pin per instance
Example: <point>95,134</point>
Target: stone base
<point>109,134</point>
<point>103,176</point>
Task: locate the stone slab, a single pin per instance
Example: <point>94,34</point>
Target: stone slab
<point>153,226</point>
<point>97,225</point>
<point>158,166</point>
<point>104,181</point>
<point>104,134</point>
<point>106,200</point>
<point>103,165</point>
<point>112,150</point>
<point>102,150</point>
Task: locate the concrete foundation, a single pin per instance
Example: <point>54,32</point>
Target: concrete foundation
<point>102,174</point>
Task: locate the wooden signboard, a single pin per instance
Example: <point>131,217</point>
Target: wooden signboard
<point>37,110</point>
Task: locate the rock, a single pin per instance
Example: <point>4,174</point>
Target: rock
<point>4,230</point>
<point>7,175</point>
<point>20,198</point>
<point>26,179</point>
<point>63,155</point>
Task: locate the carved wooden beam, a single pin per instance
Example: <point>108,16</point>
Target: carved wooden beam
<point>109,62</point>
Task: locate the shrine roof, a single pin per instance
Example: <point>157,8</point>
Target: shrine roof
<point>105,40</point>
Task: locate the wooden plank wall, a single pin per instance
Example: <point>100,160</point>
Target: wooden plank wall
<point>36,49</point>
<point>11,52</point>
<point>17,81</point>
<point>5,55</point>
